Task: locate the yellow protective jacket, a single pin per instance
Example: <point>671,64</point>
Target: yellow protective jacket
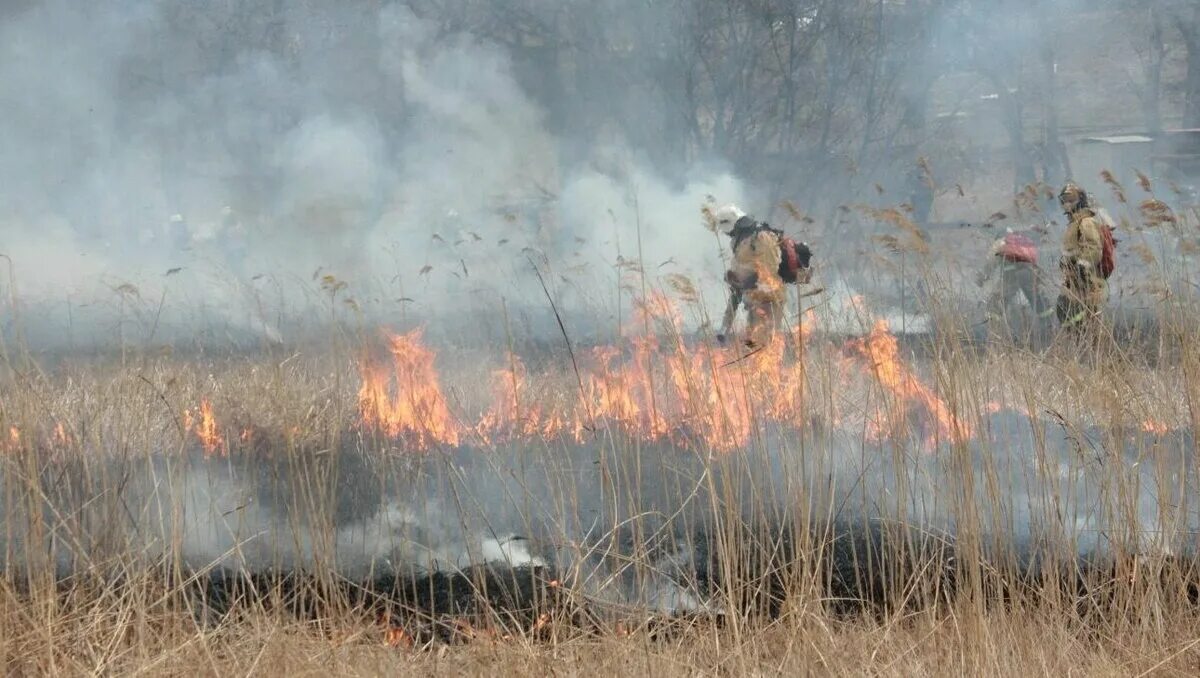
<point>1083,240</point>
<point>1084,288</point>
<point>755,258</point>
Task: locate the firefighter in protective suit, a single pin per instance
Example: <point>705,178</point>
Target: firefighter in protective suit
<point>1084,288</point>
<point>1012,264</point>
<point>753,277</point>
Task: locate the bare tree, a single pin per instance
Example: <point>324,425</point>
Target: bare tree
<point>1186,16</point>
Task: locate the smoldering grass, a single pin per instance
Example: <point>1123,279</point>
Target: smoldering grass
<point>786,595</point>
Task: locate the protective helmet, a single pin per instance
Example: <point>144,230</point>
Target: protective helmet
<point>725,216</point>
<point>1072,192</point>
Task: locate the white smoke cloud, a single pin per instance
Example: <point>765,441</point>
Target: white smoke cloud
<point>346,149</point>
<point>640,211</point>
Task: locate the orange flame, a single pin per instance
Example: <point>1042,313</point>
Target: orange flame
<point>1156,427</point>
<point>654,388</point>
<point>415,408</point>
<point>882,350</point>
<point>624,393</point>
<point>701,395</point>
<point>651,390</point>
<point>397,637</point>
<point>205,428</point>
<point>60,436</point>
<point>513,413</point>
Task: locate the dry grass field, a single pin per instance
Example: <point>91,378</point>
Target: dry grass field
<point>829,504</point>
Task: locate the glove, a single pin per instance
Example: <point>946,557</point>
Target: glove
<point>741,282</point>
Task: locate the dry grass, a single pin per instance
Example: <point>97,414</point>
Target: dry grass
<point>121,636</point>
<point>121,614</point>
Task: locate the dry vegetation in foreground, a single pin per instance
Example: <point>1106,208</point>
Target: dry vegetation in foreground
<point>1139,623</point>
<point>125,636</point>
<point>121,616</point>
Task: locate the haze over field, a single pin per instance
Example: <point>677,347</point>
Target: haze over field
<point>383,335</point>
<point>427,154</point>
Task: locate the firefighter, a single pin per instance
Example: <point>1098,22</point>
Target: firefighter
<point>1012,264</point>
<point>1084,286</point>
<point>753,277</point>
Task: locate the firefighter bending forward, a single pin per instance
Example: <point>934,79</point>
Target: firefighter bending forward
<point>753,277</point>
<point>1012,267</point>
<point>1084,287</point>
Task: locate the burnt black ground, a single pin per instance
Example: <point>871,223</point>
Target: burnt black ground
<point>623,525</point>
<point>860,571</point>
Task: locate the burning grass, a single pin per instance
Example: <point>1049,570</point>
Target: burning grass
<point>675,506</point>
<point>655,387</point>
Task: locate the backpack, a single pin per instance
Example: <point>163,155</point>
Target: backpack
<point>1018,248</point>
<point>1108,251</point>
<point>796,258</point>
<point>747,227</point>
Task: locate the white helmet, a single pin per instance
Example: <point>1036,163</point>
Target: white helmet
<point>726,216</point>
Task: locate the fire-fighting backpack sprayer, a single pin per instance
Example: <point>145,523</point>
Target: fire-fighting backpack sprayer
<point>1018,248</point>
<point>794,268</point>
<point>795,258</point>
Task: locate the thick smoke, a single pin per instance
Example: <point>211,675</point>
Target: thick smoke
<point>408,159</point>
<point>367,144</point>
<point>431,159</point>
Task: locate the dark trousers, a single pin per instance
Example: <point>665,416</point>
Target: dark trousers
<point>1018,279</point>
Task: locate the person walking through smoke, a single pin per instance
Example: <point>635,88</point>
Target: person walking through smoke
<point>1086,262</point>
<point>764,259</point>
<point>1012,267</point>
